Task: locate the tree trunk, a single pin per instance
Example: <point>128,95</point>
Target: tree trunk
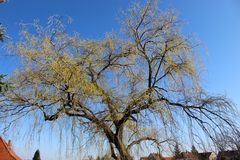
<point>120,146</point>
<point>117,140</point>
<point>122,149</point>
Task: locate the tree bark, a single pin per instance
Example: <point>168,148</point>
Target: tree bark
<point>117,140</point>
<point>122,149</point>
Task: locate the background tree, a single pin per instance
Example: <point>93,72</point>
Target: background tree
<point>4,85</point>
<point>98,158</point>
<point>233,140</point>
<point>228,141</point>
<point>2,32</point>
<point>194,151</point>
<point>115,87</point>
<point>90,158</point>
<point>177,152</point>
<point>37,155</point>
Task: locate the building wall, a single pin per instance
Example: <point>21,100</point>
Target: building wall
<point>213,156</point>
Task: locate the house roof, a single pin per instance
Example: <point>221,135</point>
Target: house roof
<point>188,155</point>
<point>9,149</point>
<point>156,156</point>
<point>204,155</point>
<point>231,153</point>
<point>168,158</point>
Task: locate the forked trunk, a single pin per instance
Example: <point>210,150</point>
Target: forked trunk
<point>116,141</point>
<point>124,154</point>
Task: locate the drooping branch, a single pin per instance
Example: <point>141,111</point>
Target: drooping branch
<point>154,140</point>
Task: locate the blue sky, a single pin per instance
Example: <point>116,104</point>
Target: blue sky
<point>216,23</point>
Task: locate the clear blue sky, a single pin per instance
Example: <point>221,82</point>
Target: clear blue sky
<point>216,23</point>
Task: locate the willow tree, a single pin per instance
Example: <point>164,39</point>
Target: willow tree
<point>116,86</point>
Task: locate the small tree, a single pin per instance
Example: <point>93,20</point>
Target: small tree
<point>177,152</point>
<point>90,158</point>
<point>2,32</point>
<point>37,155</point>
<point>194,152</point>
<point>98,158</point>
<point>3,85</point>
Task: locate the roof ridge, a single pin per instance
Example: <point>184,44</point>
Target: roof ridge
<point>9,149</point>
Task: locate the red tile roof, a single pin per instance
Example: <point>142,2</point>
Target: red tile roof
<point>156,156</point>
<point>9,150</point>
<point>168,158</point>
